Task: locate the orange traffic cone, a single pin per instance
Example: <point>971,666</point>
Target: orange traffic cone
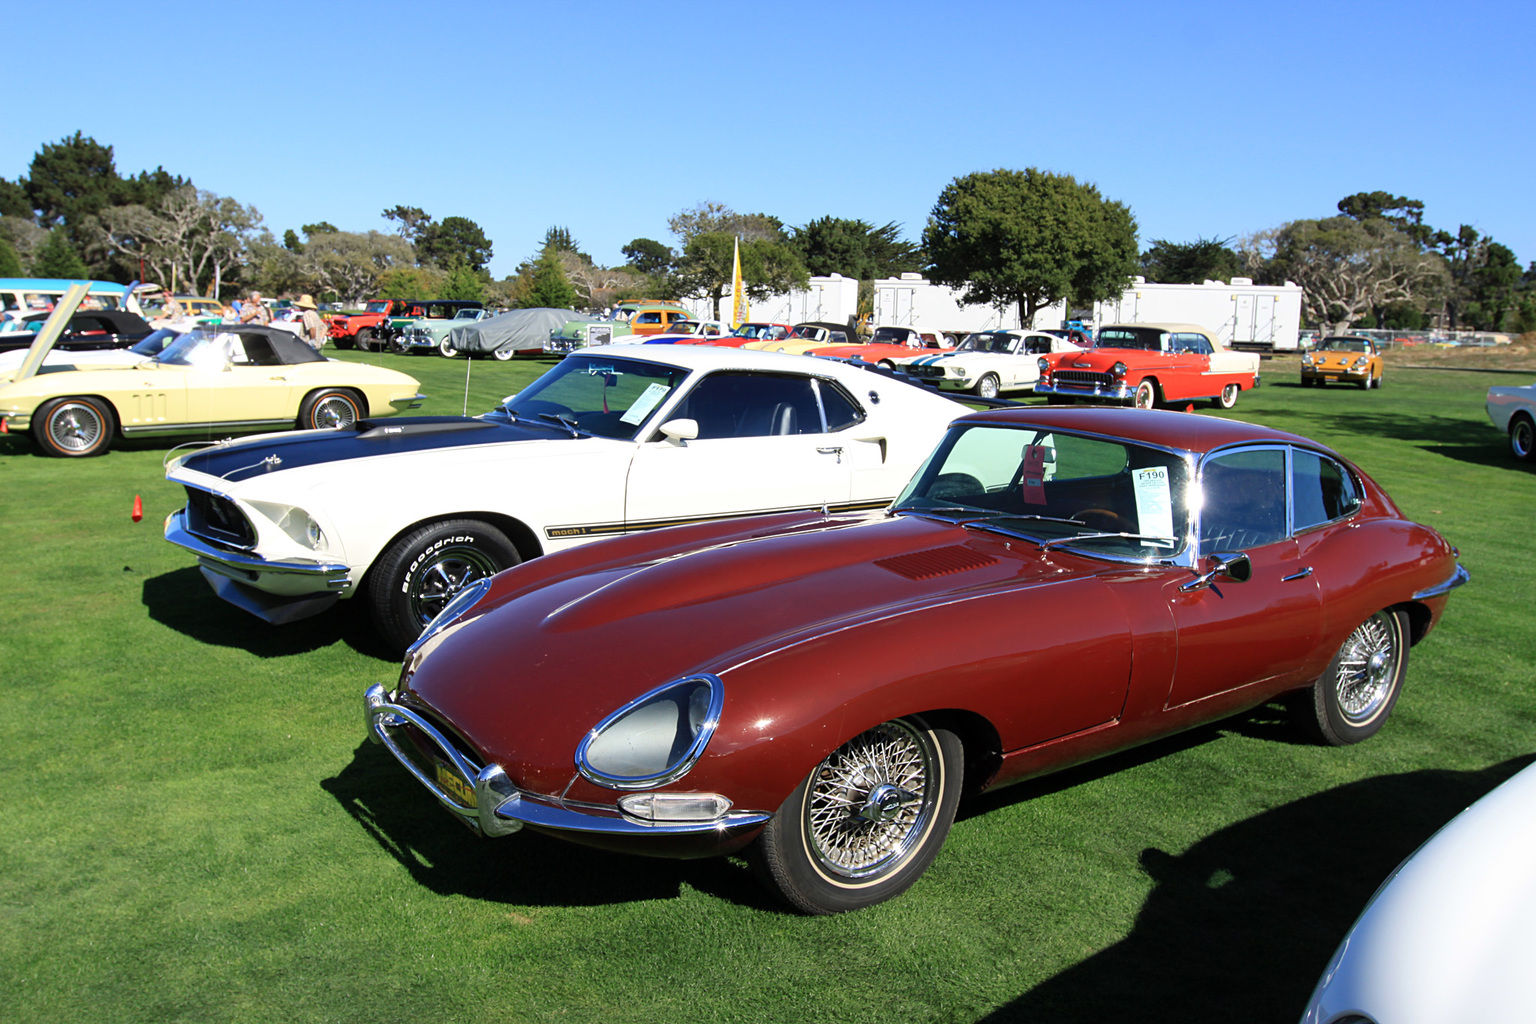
<point>5,425</point>
<point>1190,407</point>
<point>138,508</point>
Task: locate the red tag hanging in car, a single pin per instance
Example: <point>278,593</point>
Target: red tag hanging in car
<point>1034,475</point>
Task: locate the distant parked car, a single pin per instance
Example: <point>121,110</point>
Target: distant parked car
<point>392,330</point>
<point>1513,410</point>
<point>87,330</point>
<point>988,363</point>
<point>1148,364</point>
<point>1343,359</point>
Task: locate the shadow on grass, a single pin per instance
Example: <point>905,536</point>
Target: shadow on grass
<point>1240,926</point>
<point>525,868</point>
<point>183,601</point>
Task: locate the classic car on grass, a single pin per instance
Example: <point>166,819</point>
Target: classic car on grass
<point>390,330</point>
<point>1343,359</point>
<point>146,348</point>
<point>891,350</point>
<point>753,335</point>
<point>87,330</point>
<point>1448,935</point>
<point>361,329</point>
<point>988,363</point>
<point>615,440</point>
<point>210,381</point>
<point>430,332</point>
<point>1513,411</point>
<point>1148,364</point>
<point>819,690</point>
<point>575,334</point>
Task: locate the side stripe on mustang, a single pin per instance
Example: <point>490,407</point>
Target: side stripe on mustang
<point>614,529</point>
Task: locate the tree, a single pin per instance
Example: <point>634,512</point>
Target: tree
<point>10,262</point>
<point>14,201</point>
<point>325,227</point>
<point>291,241</point>
<point>550,286</point>
<point>1494,283</point>
<point>76,178</point>
<point>273,269</point>
<point>1029,238</point>
<point>404,282</point>
<point>192,240</point>
<point>463,282</point>
<point>1348,267</point>
<point>413,220</point>
<point>57,258</point>
<point>561,239</point>
<point>1407,215</point>
<point>853,248</point>
<point>767,267</point>
<point>351,263</point>
<point>648,256</point>
<point>717,218</point>
<point>439,244</point>
<point>1204,259</point>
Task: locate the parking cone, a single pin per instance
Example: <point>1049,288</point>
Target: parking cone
<point>1190,407</point>
<point>5,425</point>
<point>138,508</point>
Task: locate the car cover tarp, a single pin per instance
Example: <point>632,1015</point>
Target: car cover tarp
<point>521,330</point>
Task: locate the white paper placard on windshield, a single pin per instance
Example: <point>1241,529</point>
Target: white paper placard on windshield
<point>649,399</point>
<point>1154,503</point>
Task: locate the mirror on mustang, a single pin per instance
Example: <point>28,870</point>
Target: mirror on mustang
<point>680,431</point>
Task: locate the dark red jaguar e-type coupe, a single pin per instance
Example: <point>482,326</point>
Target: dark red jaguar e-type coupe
<point>1054,585</point>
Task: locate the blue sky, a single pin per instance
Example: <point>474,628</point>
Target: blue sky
<point>1206,119</point>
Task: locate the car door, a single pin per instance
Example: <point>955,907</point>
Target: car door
<point>1232,634</point>
<point>248,385</point>
<point>762,446</point>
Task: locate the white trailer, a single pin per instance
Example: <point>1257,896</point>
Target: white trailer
<point>833,299</point>
<point>1243,315</point>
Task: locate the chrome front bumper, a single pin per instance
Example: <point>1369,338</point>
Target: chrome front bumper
<point>499,807</point>
<point>1113,393</point>
<point>276,592</point>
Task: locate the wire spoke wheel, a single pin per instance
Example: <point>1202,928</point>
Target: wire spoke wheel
<point>1367,669</point>
<point>870,801</point>
<point>75,428</point>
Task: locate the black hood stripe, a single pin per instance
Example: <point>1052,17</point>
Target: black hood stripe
<point>244,459</point>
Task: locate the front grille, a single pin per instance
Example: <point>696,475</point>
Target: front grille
<point>926,371</point>
<point>417,334</point>
<point>1084,379</point>
<point>217,519</point>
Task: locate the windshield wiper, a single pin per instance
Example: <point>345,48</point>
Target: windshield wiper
<point>568,422</point>
<point>1170,541</point>
<point>945,512</point>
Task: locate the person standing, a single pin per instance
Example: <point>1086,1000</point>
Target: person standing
<point>313,323</point>
<point>255,311</point>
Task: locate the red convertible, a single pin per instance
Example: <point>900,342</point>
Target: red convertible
<point>821,690</point>
<point>1148,364</point>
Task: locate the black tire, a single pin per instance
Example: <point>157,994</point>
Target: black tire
<point>1145,396</point>
<point>886,364</point>
<point>1228,397</point>
<point>1352,699</point>
<point>73,428</point>
<point>398,345</point>
<point>364,339</point>
<point>344,342</point>
<point>1522,438</point>
<point>866,822</point>
<point>987,387</point>
<point>417,574</point>
<point>335,408</point>
<point>1379,378</point>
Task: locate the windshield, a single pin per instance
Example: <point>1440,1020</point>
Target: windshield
<point>153,344</point>
<point>987,341</point>
<point>892,335</point>
<point>203,348</point>
<point>377,307</point>
<point>606,397</point>
<point>1344,345</point>
<point>1098,495</point>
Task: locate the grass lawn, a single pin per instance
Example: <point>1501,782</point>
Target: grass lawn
<point>194,828</point>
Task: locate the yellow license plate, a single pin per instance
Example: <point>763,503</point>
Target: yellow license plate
<point>455,786</point>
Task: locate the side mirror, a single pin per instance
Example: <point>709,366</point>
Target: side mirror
<point>680,432</point>
<point>1230,565</point>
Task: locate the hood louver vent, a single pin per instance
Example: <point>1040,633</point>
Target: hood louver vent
<point>925,565</point>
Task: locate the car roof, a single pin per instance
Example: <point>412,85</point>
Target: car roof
<point>714,357</point>
<point>1169,429</point>
<point>1172,328</point>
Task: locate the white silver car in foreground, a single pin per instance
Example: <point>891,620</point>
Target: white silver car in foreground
<point>1513,410</point>
<point>1448,937</point>
<point>610,441</point>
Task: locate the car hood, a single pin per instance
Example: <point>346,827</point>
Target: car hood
<point>537,663</point>
<point>1448,936</point>
<point>279,453</point>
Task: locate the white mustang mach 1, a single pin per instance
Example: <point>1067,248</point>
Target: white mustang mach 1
<point>610,441</point>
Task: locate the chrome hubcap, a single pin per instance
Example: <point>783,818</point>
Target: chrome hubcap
<point>75,428</point>
<point>444,578</point>
<point>870,803</point>
<point>1367,669</point>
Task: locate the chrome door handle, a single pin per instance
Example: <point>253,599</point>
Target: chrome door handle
<point>832,451</point>
<point>1303,574</point>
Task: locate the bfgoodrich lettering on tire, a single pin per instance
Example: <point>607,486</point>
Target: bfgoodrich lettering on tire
<point>866,822</point>
<point>417,574</point>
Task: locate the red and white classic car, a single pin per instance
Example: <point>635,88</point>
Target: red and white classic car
<point>821,690</point>
<point>1145,364</point>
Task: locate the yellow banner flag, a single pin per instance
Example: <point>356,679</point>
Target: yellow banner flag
<point>741,312</point>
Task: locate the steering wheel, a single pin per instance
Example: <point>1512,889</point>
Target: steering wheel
<point>1112,522</point>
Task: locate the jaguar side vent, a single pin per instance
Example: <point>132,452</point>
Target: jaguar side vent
<point>926,565</point>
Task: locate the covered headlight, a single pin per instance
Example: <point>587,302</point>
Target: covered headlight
<point>299,526</point>
<point>956,371</point>
<point>1117,371</point>
<point>1361,361</point>
<point>654,739</point>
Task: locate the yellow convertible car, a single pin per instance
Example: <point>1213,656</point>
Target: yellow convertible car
<point>214,381</point>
